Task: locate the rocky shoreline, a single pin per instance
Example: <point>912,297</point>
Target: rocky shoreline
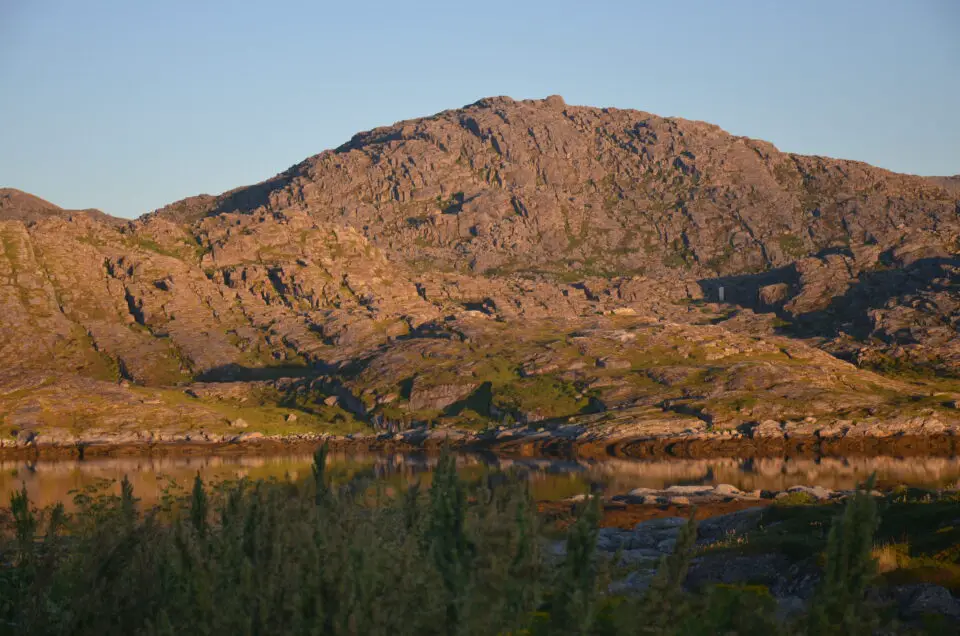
<point>722,493</point>
<point>730,548</point>
<point>791,583</point>
<point>913,436</point>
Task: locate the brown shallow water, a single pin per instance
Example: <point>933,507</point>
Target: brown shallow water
<point>52,480</point>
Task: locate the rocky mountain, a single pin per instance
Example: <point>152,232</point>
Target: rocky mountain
<point>508,261</point>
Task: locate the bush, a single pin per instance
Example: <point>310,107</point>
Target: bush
<point>796,498</point>
<point>311,557</point>
<point>839,606</point>
<point>277,558</point>
<point>573,604</point>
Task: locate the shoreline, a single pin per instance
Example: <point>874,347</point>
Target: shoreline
<point>508,443</point>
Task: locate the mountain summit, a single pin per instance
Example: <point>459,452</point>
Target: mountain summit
<point>511,185</point>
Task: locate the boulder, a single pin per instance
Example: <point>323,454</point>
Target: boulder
<point>924,599</point>
<point>722,527</point>
<point>737,569</point>
<point>726,490</point>
<point>767,429</point>
<point>638,556</point>
<point>689,490</point>
<point>775,294</point>
<point>672,524</point>
<point>425,397</point>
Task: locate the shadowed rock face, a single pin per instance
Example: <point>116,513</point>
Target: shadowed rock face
<point>566,259</point>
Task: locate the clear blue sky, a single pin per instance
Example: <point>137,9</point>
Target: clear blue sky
<point>129,105</point>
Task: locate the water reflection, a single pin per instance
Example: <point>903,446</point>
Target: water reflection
<point>49,481</point>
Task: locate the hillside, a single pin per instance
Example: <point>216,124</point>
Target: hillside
<point>504,262</point>
<point>16,205</point>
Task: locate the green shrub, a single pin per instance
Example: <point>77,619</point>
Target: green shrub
<point>839,606</point>
<point>321,556</point>
<point>792,245</point>
<point>664,603</point>
<point>732,609</point>
<point>798,498</point>
<point>265,558</point>
<point>573,604</point>
<point>450,548</point>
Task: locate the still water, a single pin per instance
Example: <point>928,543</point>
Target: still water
<point>49,481</point>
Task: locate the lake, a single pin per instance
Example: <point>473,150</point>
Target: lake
<point>49,481</point>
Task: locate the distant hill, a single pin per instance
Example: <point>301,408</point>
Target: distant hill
<point>16,205</point>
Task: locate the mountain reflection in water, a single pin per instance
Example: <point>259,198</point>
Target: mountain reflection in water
<point>49,481</point>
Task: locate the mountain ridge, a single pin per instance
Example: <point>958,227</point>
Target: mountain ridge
<point>306,185</point>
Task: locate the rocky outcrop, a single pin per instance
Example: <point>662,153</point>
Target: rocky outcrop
<point>439,397</point>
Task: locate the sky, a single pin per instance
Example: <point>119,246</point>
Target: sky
<point>128,106</point>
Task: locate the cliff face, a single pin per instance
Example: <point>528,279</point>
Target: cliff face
<point>520,260</point>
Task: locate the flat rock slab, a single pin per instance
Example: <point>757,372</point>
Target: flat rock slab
<point>729,526</point>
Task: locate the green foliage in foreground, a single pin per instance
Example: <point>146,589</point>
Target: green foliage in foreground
<point>312,558</point>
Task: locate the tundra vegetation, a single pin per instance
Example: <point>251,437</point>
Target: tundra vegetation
<point>466,555</point>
